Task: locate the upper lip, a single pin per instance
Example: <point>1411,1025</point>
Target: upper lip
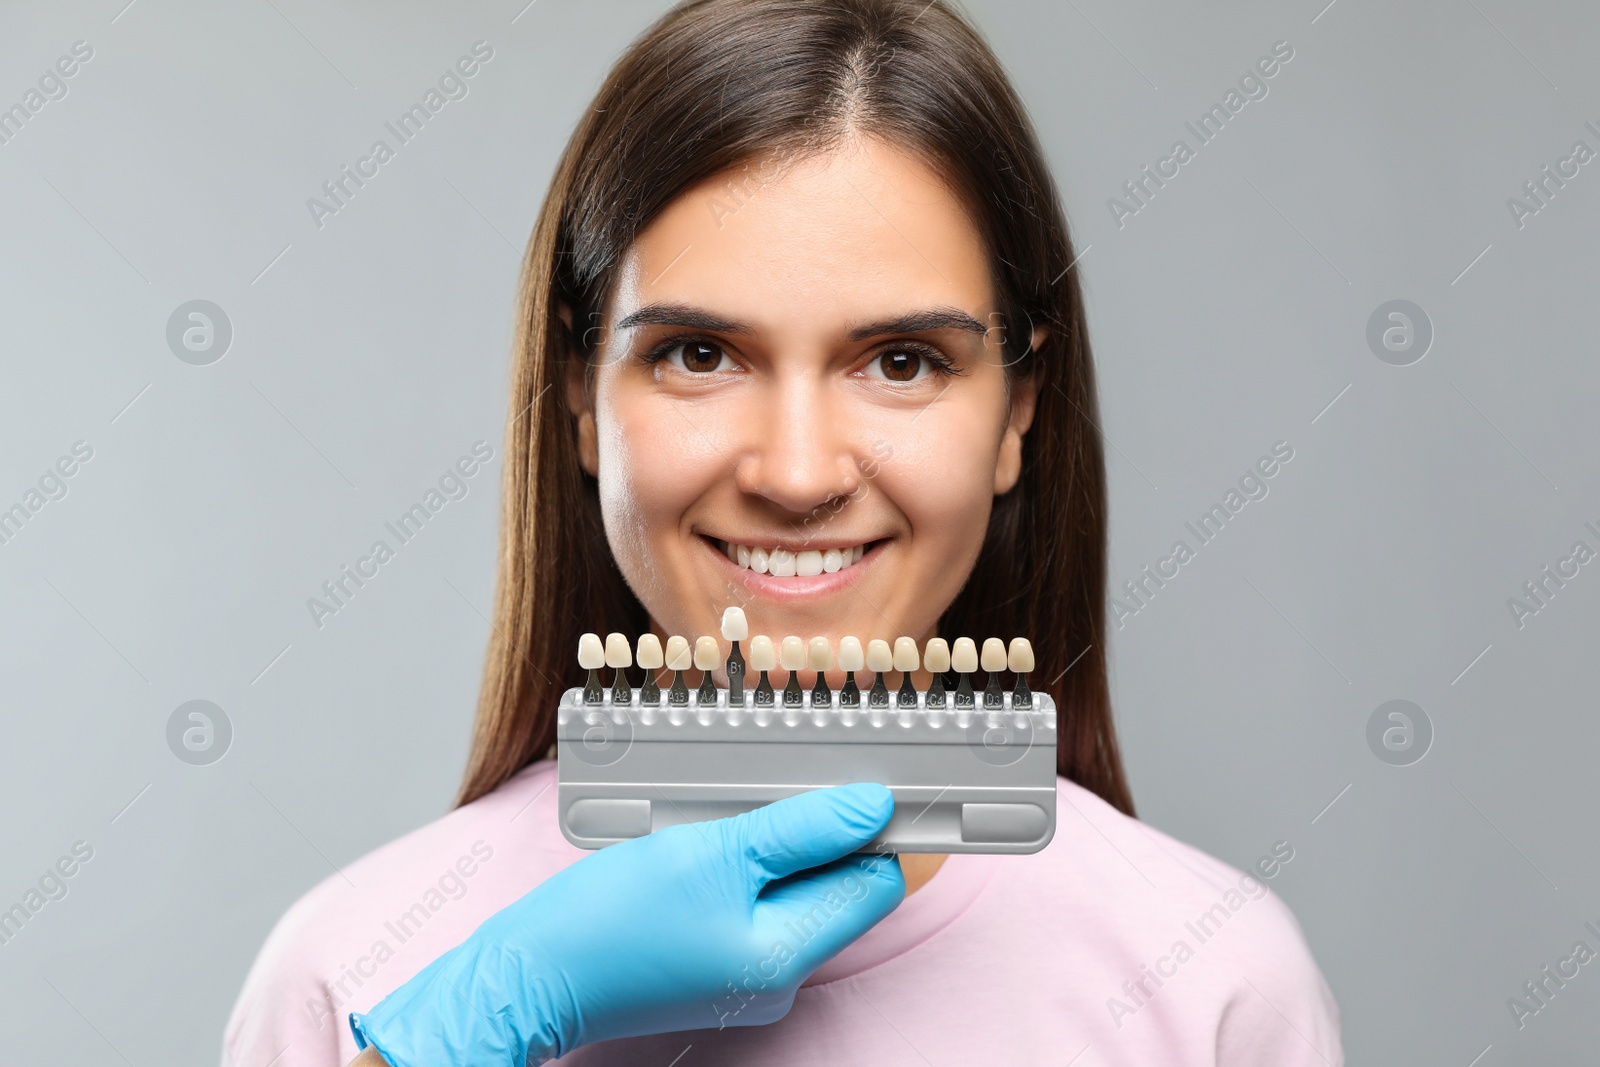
<point>794,544</point>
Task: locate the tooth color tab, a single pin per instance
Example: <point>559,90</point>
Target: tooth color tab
<point>905,654</point>
<point>821,656</point>
<point>851,658</point>
<point>706,653</point>
<point>678,658</point>
<point>964,656</point>
<point>735,627</point>
<point>591,653</point>
<point>618,654</point>
<point>937,655</point>
<point>994,654</point>
<point>1020,658</point>
<point>879,658</point>
<point>792,654</point>
<point>762,656</point>
<point>649,655</point>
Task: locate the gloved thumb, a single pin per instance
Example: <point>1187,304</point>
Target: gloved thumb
<point>810,829</point>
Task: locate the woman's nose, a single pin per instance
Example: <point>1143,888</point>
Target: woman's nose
<point>798,449</point>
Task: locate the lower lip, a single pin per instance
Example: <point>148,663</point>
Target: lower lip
<point>791,590</point>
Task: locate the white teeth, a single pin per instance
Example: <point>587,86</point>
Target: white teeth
<point>785,563</point>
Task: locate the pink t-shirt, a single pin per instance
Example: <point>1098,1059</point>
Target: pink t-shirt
<point>1116,944</point>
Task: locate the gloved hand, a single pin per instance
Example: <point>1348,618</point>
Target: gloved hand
<point>694,926</point>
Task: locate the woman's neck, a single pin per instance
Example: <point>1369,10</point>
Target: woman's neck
<point>919,869</point>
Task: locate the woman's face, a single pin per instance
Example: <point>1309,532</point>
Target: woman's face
<point>800,403</point>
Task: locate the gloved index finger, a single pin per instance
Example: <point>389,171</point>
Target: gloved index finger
<point>811,828</point>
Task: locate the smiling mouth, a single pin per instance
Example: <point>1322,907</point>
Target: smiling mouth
<point>792,563</point>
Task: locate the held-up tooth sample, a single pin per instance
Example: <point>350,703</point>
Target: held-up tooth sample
<point>735,628</point>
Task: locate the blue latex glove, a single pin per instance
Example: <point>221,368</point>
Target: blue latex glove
<point>702,925</point>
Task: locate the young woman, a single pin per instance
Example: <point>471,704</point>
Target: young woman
<point>798,333</point>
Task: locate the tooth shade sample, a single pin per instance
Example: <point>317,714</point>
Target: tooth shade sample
<point>879,658</point>
<point>851,658</point>
<point>781,564</point>
<point>618,654</point>
<point>1020,658</point>
<point>706,653</point>
<point>964,656</point>
<point>808,563</point>
<point>792,654</point>
<point>678,657</point>
<point>994,654</point>
<point>762,655</point>
<point>591,653</point>
<point>821,656</point>
<point>649,652</point>
<point>905,654</point>
<point>937,655</point>
<point>735,627</point>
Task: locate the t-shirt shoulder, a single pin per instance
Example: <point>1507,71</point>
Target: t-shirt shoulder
<point>1272,1004</point>
<point>385,916</point>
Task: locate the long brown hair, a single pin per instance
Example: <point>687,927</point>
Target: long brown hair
<point>712,87</point>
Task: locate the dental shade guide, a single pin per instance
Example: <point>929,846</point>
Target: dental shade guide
<point>968,775</point>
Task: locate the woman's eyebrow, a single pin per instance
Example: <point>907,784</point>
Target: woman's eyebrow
<point>940,318</point>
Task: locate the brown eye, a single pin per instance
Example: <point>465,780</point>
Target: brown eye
<point>900,366</point>
<point>698,357</point>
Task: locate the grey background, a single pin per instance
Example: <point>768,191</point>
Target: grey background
<point>1228,314</point>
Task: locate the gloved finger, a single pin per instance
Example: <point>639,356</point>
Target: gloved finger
<point>811,828</point>
<point>828,907</point>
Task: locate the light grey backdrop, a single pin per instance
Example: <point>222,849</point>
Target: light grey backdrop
<point>1229,312</point>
